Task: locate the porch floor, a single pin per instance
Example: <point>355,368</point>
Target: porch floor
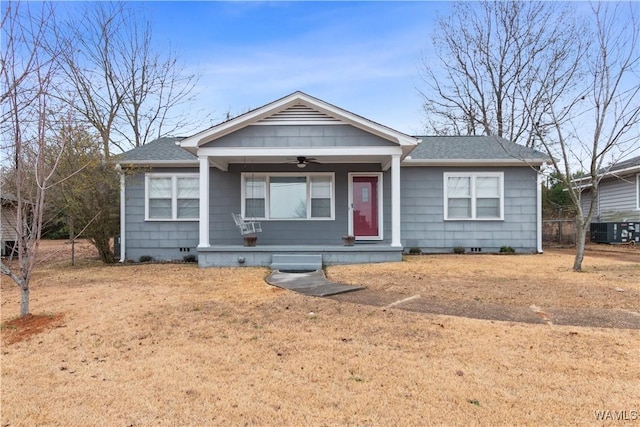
<point>261,255</point>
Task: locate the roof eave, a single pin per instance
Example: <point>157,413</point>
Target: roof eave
<point>472,162</point>
<point>158,163</point>
<point>581,184</point>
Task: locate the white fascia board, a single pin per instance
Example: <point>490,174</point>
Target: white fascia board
<point>369,126</point>
<point>631,169</point>
<point>238,123</point>
<point>250,152</point>
<point>472,162</point>
<point>284,103</point>
<point>159,163</point>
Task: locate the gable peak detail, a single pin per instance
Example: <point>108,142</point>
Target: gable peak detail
<point>299,113</point>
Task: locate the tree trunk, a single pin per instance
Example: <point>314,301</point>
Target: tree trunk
<point>24,288</point>
<point>72,236</point>
<point>580,243</point>
<point>24,299</point>
<point>103,245</point>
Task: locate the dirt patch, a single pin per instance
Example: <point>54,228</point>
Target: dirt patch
<point>23,328</point>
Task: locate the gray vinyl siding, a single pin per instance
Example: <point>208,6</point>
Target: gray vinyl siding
<point>617,200</point>
<point>283,232</point>
<point>422,214</point>
<point>585,203</point>
<point>163,239</point>
<point>160,239</point>
<point>300,136</point>
<point>424,227</point>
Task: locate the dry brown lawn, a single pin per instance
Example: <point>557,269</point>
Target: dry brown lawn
<point>170,344</point>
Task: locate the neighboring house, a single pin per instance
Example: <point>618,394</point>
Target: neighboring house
<point>618,198</point>
<point>8,231</point>
<point>311,172</point>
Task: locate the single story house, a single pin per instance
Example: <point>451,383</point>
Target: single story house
<point>618,197</point>
<point>310,172</point>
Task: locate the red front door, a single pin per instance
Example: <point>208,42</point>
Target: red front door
<point>365,206</point>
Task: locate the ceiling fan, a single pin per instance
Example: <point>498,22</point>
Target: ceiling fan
<point>303,161</point>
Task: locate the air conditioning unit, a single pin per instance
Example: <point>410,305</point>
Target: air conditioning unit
<point>615,232</point>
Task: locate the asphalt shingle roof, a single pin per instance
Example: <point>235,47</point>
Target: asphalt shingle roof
<point>159,149</point>
<point>432,147</point>
<point>472,148</point>
<point>632,162</point>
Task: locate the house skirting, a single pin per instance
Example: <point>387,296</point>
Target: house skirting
<point>261,256</point>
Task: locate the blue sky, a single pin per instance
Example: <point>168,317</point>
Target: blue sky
<point>361,56</point>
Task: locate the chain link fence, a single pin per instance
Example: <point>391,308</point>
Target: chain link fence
<point>559,232</point>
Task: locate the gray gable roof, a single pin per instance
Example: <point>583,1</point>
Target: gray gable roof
<point>472,148</point>
<point>161,149</point>
<point>480,148</point>
<point>626,164</point>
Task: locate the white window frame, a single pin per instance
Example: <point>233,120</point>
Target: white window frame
<point>174,195</point>
<point>472,176</point>
<point>308,176</point>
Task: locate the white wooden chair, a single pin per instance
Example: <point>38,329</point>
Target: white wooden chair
<point>246,227</point>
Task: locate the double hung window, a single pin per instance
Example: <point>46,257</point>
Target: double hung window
<point>474,196</point>
<point>172,197</point>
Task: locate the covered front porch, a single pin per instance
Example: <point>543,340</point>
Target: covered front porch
<point>309,172</point>
<point>263,256</point>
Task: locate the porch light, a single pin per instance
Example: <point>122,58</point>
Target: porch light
<point>301,165</point>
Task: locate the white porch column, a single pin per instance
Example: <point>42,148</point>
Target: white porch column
<point>204,202</point>
<point>123,212</point>
<point>539,210</point>
<point>395,201</point>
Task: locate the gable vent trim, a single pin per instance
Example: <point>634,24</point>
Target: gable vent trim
<point>299,114</point>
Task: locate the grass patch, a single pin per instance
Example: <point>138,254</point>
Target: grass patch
<point>172,344</point>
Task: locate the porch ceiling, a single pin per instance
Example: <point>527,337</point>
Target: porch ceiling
<point>292,159</point>
<point>222,158</point>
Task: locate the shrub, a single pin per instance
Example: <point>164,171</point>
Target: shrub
<point>145,258</point>
<point>507,250</point>
<point>415,251</point>
<point>190,258</point>
<point>459,250</point>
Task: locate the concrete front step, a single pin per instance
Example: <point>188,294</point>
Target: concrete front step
<point>296,262</point>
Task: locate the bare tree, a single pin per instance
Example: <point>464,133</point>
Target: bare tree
<point>26,78</point>
<point>593,128</point>
<point>94,88</point>
<point>523,71</point>
<point>489,55</point>
<point>123,84</point>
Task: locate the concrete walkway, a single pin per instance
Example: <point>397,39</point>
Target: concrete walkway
<point>311,283</point>
<point>315,284</point>
<point>589,317</point>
